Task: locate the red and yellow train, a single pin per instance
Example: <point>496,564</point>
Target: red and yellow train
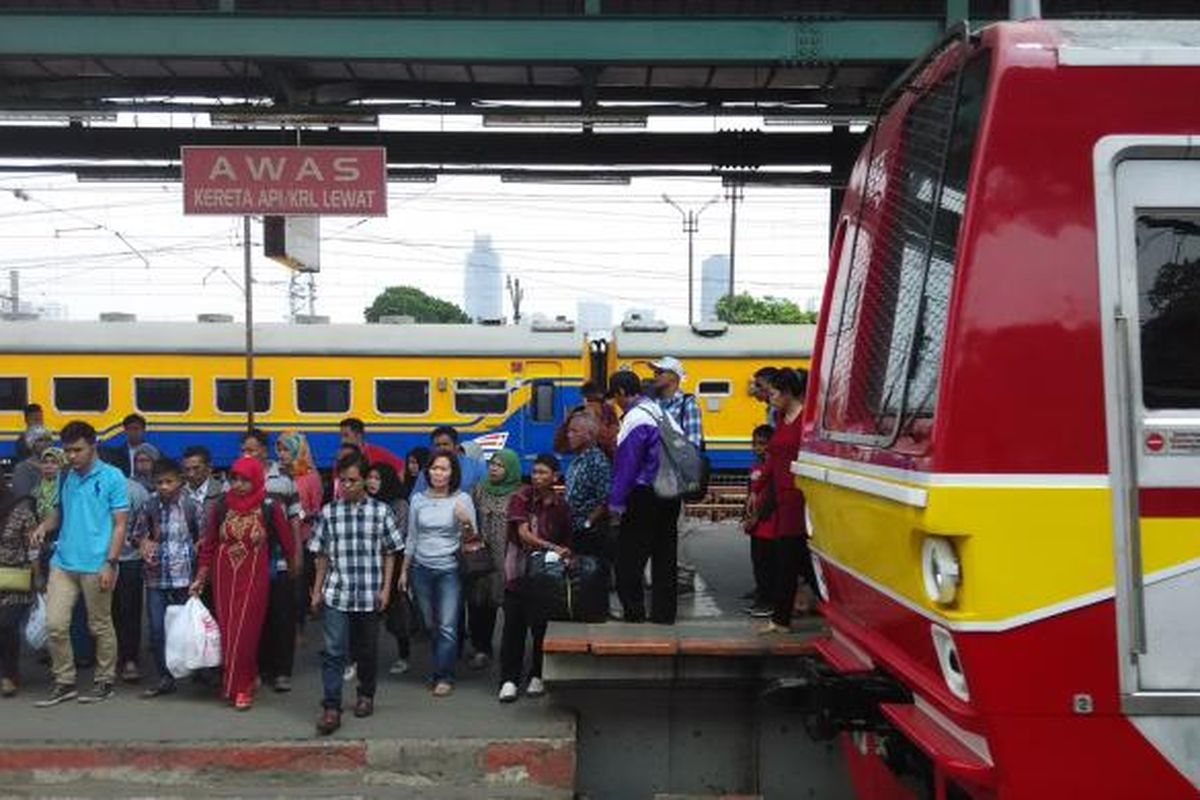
<point>1002,447</point>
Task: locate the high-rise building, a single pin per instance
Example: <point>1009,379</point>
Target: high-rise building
<point>714,284</point>
<point>593,315</point>
<point>483,284</point>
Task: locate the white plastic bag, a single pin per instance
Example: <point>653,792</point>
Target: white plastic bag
<point>193,640</point>
<point>35,626</point>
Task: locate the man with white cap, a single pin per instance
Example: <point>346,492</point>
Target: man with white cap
<point>668,375</point>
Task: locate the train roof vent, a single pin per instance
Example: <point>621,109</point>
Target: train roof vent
<point>397,319</point>
<point>19,316</point>
<point>214,318</point>
<point>710,328</point>
<point>310,319</point>
<point>559,324</point>
<point>117,316</point>
<point>635,322</point>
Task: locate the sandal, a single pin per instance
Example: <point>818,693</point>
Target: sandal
<point>443,689</point>
<point>244,702</point>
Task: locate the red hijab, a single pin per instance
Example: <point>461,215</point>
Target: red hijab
<point>252,470</point>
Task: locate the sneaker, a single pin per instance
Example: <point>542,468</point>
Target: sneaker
<point>283,683</point>
<point>329,721</point>
<point>760,611</point>
<point>8,688</point>
<point>364,706</point>
<point>130,672</point>
<point>165,686</point>
<point>350,673</point>
<point>535,688</point>
<point>100,693</point>
<point>61,693</point>
<point>399,667</point>
<point>508,692</point>
<point>479,661</point>
<point>443,689</point>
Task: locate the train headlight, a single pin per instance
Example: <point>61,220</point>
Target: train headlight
<point>940,569</point>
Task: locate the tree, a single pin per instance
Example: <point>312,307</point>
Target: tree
<point>745,309</point>
<point>412,302</point>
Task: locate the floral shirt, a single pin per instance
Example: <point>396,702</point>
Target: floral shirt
<point>14,546</point>
<point>588,480</point>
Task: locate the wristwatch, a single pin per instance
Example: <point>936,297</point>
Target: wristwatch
<point>112,562</point>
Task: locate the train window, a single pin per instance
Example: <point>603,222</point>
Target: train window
<point>1168,276</point>
<point>163,395</point>
<point>322,395</point>
<point>81,394</point>
<point>895,298</point>
<point>711,388</point>
<point>14,394</point>
<point>231,395</point>
<point>401,396</point>
<point>481,396</point>
<point>542,407</point>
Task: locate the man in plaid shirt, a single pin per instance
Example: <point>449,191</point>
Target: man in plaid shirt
<point>668,375</point>
<point>355,542</point>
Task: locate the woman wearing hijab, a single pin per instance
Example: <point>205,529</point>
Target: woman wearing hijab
<point>145,456</point>
<point>234,551</point>
<point>485,593</point>
<point>295,459</point>
<point>46,494</point>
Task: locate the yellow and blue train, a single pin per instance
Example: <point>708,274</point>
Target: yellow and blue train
<point>500,384</point>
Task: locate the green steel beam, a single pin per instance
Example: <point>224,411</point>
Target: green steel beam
<point>563,40</point>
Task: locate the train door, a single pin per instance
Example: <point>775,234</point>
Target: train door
<point>544,410</point>
<point>1154,420</point>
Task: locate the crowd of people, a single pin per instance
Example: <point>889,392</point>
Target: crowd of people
<point>437,541</point>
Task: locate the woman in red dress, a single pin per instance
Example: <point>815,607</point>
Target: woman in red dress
<point>790,555</point>
<point>235,552</point>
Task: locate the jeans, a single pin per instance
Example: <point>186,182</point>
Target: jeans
<point>648,532</point>
<point>481,624</point>
<point>762,559</point>
<point>353,635</point>
<point>127,611</point>
<point>157,601</point>
<point>439,596</point>
<point>63,589</point>
<point>520,619</point>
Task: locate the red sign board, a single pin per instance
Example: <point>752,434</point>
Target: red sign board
<point>285,181</point>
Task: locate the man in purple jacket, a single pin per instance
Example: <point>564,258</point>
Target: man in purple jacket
<point>648,524</point>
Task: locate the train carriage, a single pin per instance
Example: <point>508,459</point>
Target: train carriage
<point>1002,447</point>
<point>511,385</point>
<point>504,385</point>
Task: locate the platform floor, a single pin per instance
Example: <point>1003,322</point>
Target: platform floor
<point>404,706</point>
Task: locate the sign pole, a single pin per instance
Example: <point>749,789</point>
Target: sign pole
<point>249,283</point>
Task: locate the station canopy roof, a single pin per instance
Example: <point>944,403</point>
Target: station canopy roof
<point>592,64</point>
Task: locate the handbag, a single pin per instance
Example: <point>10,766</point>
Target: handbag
<point>16,579</point>
<point>474,560</point>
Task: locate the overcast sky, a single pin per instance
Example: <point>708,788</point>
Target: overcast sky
<point>95,247</point>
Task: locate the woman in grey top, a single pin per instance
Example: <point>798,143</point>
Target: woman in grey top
<point>438,520</point>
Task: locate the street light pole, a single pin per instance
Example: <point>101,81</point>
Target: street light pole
<point>733,193</point>
<point>691,224</point>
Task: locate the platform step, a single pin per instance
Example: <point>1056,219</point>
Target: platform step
<point>520,769</point>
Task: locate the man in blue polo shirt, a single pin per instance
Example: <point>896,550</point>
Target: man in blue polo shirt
<point>90,518</point>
